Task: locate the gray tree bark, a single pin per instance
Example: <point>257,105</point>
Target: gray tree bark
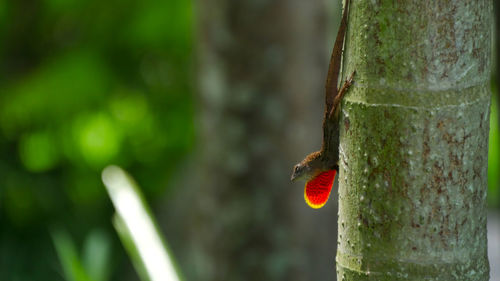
<point>414,141</point>
<point>261,69</point>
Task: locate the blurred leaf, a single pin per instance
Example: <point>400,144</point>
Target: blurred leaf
<point>84,190</point>
<point>130,246</point>
<point>54,92</point>
<point>66,251</point>
<point>130,108</point>
<point>62,5</point>
<point>161,22</point>
<point>96,255</point>
<point>494,157</point>
<point>38,151</point>
<point>137,228</point>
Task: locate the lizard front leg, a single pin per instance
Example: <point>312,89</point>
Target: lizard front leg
<point>336,102</point>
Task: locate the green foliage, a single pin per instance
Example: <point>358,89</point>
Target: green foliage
<point>494,156</point>
<point>93,266</point>
<point>85,84</point>
<point>38,152</point>
<point>96,255</point>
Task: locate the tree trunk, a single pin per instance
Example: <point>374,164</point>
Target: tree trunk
<point>414,141</point>
<point>261,71</point>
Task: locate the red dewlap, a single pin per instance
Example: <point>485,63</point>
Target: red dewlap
<point>318,189</point>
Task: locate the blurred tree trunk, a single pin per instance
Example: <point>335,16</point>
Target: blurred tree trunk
<point>261,70</point>
<point>414,141</point>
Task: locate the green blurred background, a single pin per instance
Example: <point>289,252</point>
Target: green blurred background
<point>85,84</point>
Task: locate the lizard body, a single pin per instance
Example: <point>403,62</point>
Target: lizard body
<point>320,167</point>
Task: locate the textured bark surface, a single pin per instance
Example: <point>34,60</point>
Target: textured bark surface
<point>414,141</point>
<point>261,72</point>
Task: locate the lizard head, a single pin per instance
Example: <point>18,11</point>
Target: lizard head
<point>307,168</point>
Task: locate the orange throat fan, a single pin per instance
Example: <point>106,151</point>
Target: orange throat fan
<point>318,189</point>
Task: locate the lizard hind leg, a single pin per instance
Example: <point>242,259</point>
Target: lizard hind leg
<point>338,98</point>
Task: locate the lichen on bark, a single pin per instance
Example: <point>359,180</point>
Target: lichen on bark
<point>414,141</point>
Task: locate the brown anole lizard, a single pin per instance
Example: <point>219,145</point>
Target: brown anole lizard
<point>319,168</point>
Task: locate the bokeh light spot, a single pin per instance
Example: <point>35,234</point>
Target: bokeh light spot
<point>97,138</point>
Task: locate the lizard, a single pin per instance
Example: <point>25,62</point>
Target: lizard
<point>319,168</point>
